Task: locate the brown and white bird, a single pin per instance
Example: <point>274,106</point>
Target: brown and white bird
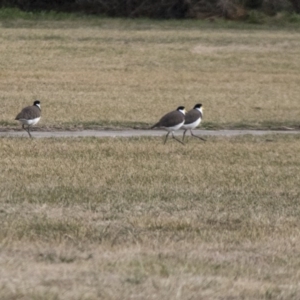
<point>171,122</point>
<point>30,115</point>
<point>192,119</point>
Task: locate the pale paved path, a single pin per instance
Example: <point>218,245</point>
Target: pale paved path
<point>138,133</point>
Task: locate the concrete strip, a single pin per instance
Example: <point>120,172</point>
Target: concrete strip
<point>137,133</point>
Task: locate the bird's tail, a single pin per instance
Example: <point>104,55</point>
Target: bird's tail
<point>155,125</point>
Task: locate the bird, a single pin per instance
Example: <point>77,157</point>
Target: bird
<point>192,119</point>
<point>30,115</point>
<point>171,122</point>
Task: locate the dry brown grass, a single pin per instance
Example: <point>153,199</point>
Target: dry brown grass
<point>134,219</point>
<point>131,218</point>
<point>126,73</point>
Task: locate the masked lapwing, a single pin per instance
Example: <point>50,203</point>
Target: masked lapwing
<point>30,115</point>
<point>171,122</point>
<point>192,119</point>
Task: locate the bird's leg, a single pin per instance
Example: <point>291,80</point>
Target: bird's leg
<point>23,126</point>
<point>184,135</point>
<point>28,130</point>
<point>196,136</point>
<point>166,137</point>
<point>177,139</point>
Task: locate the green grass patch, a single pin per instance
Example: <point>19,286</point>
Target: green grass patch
<point>17,14</point>
<point>255,20</point>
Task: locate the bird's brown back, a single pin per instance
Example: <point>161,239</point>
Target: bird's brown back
<point>29,113</point>
<point>171,119</point>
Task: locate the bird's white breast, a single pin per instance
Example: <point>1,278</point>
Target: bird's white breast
<point>192,125</point>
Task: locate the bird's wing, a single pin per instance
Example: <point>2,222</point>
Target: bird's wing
<point>192,115</point>
<point>171,119</point>
<point>29,112</point>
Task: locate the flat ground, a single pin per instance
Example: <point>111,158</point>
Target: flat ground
<point>128,73</point>
<point>124,218</point>
<point>206,134</point>
<point>131,218</point>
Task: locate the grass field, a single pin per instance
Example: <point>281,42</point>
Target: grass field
<point>116,73</point>
<point>135,219</point>
<point>131,218</point>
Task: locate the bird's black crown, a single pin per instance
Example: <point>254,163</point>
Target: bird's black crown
<point>198,105</point>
